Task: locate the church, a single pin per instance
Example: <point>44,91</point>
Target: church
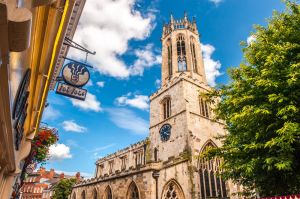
<point>167,164</point>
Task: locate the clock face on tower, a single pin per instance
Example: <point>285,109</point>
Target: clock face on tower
<point>165,132</point>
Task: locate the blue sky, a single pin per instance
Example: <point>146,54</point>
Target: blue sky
<point>126,35</point>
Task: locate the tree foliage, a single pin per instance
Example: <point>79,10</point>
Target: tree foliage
<point>63,188</point>
<point>260,107</point>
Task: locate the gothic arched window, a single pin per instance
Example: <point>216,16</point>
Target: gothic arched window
<point>181,53</point>
<point>204,108</point>
<point>74,196</point>
<point>211,183</point>
<point>108,193</point>
<point>172,191</point>
<point>95,194</point>
<point>169,46</point>
<point>133,192</point>
<point>166,107</point>
<point>83,195</point>
<point>194,58</point>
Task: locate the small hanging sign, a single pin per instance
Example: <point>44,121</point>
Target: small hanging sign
<point>71,91</point>
<point>75,74</point>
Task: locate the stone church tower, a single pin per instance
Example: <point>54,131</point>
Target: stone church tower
<point>167,165</point>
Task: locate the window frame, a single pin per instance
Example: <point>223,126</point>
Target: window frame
<point>181,53</point>
<point>194,56</point>
<point>166,108</point>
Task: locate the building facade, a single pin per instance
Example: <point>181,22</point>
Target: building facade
<point>40,184</point>
<point>32,34</point>
<point>168,164</point>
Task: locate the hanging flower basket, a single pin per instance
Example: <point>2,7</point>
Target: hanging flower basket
<point>40,146</point>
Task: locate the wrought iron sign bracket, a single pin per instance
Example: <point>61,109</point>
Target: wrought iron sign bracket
<point>77,46</point>
<point>77,62</point>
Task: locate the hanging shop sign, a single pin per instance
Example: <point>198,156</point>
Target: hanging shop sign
<point>71,91</point>
<point>20,108</point>
<point>76,74</point>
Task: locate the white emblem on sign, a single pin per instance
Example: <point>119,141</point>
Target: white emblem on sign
<point>75,74</point>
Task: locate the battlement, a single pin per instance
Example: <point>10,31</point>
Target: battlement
<point>184,23</point>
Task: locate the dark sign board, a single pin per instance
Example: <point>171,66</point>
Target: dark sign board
<point>71,91</point>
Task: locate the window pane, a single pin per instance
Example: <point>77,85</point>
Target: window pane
<point>212,182</point>
<point>206,110</point>
<point>201,184</point>
<point>224,189</point>
<point>207,187</point>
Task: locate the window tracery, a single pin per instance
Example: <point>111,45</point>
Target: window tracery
<point>181,53</point>
<point>204,108</point>
<point>172,191</point>
<point>211,183</point>
<point>133,192</point>
<point>169,47</point>
<point>166,106</point>
<point>193,52</point>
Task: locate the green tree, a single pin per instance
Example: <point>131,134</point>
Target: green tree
<point>63,188</point>
<point>260,107</point>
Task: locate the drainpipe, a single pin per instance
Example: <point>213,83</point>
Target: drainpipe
<point>155,175</point>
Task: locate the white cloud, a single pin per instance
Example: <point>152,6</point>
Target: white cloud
<point>90,83</point>
<point>59,152</point>
<point>96,151</point>
<point>212,66</point>
<point>71,126</point>
<point>102,148</point>
<point>251,39</point>
<point>137,101</point>
<point>216,2</point>
<point>157,83</point>
<point>90,104</point>
<point>106,27</point>
<point>127,119</point>
<point>146,58</point>
<point>50,113</point>
<point>100,84</point>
